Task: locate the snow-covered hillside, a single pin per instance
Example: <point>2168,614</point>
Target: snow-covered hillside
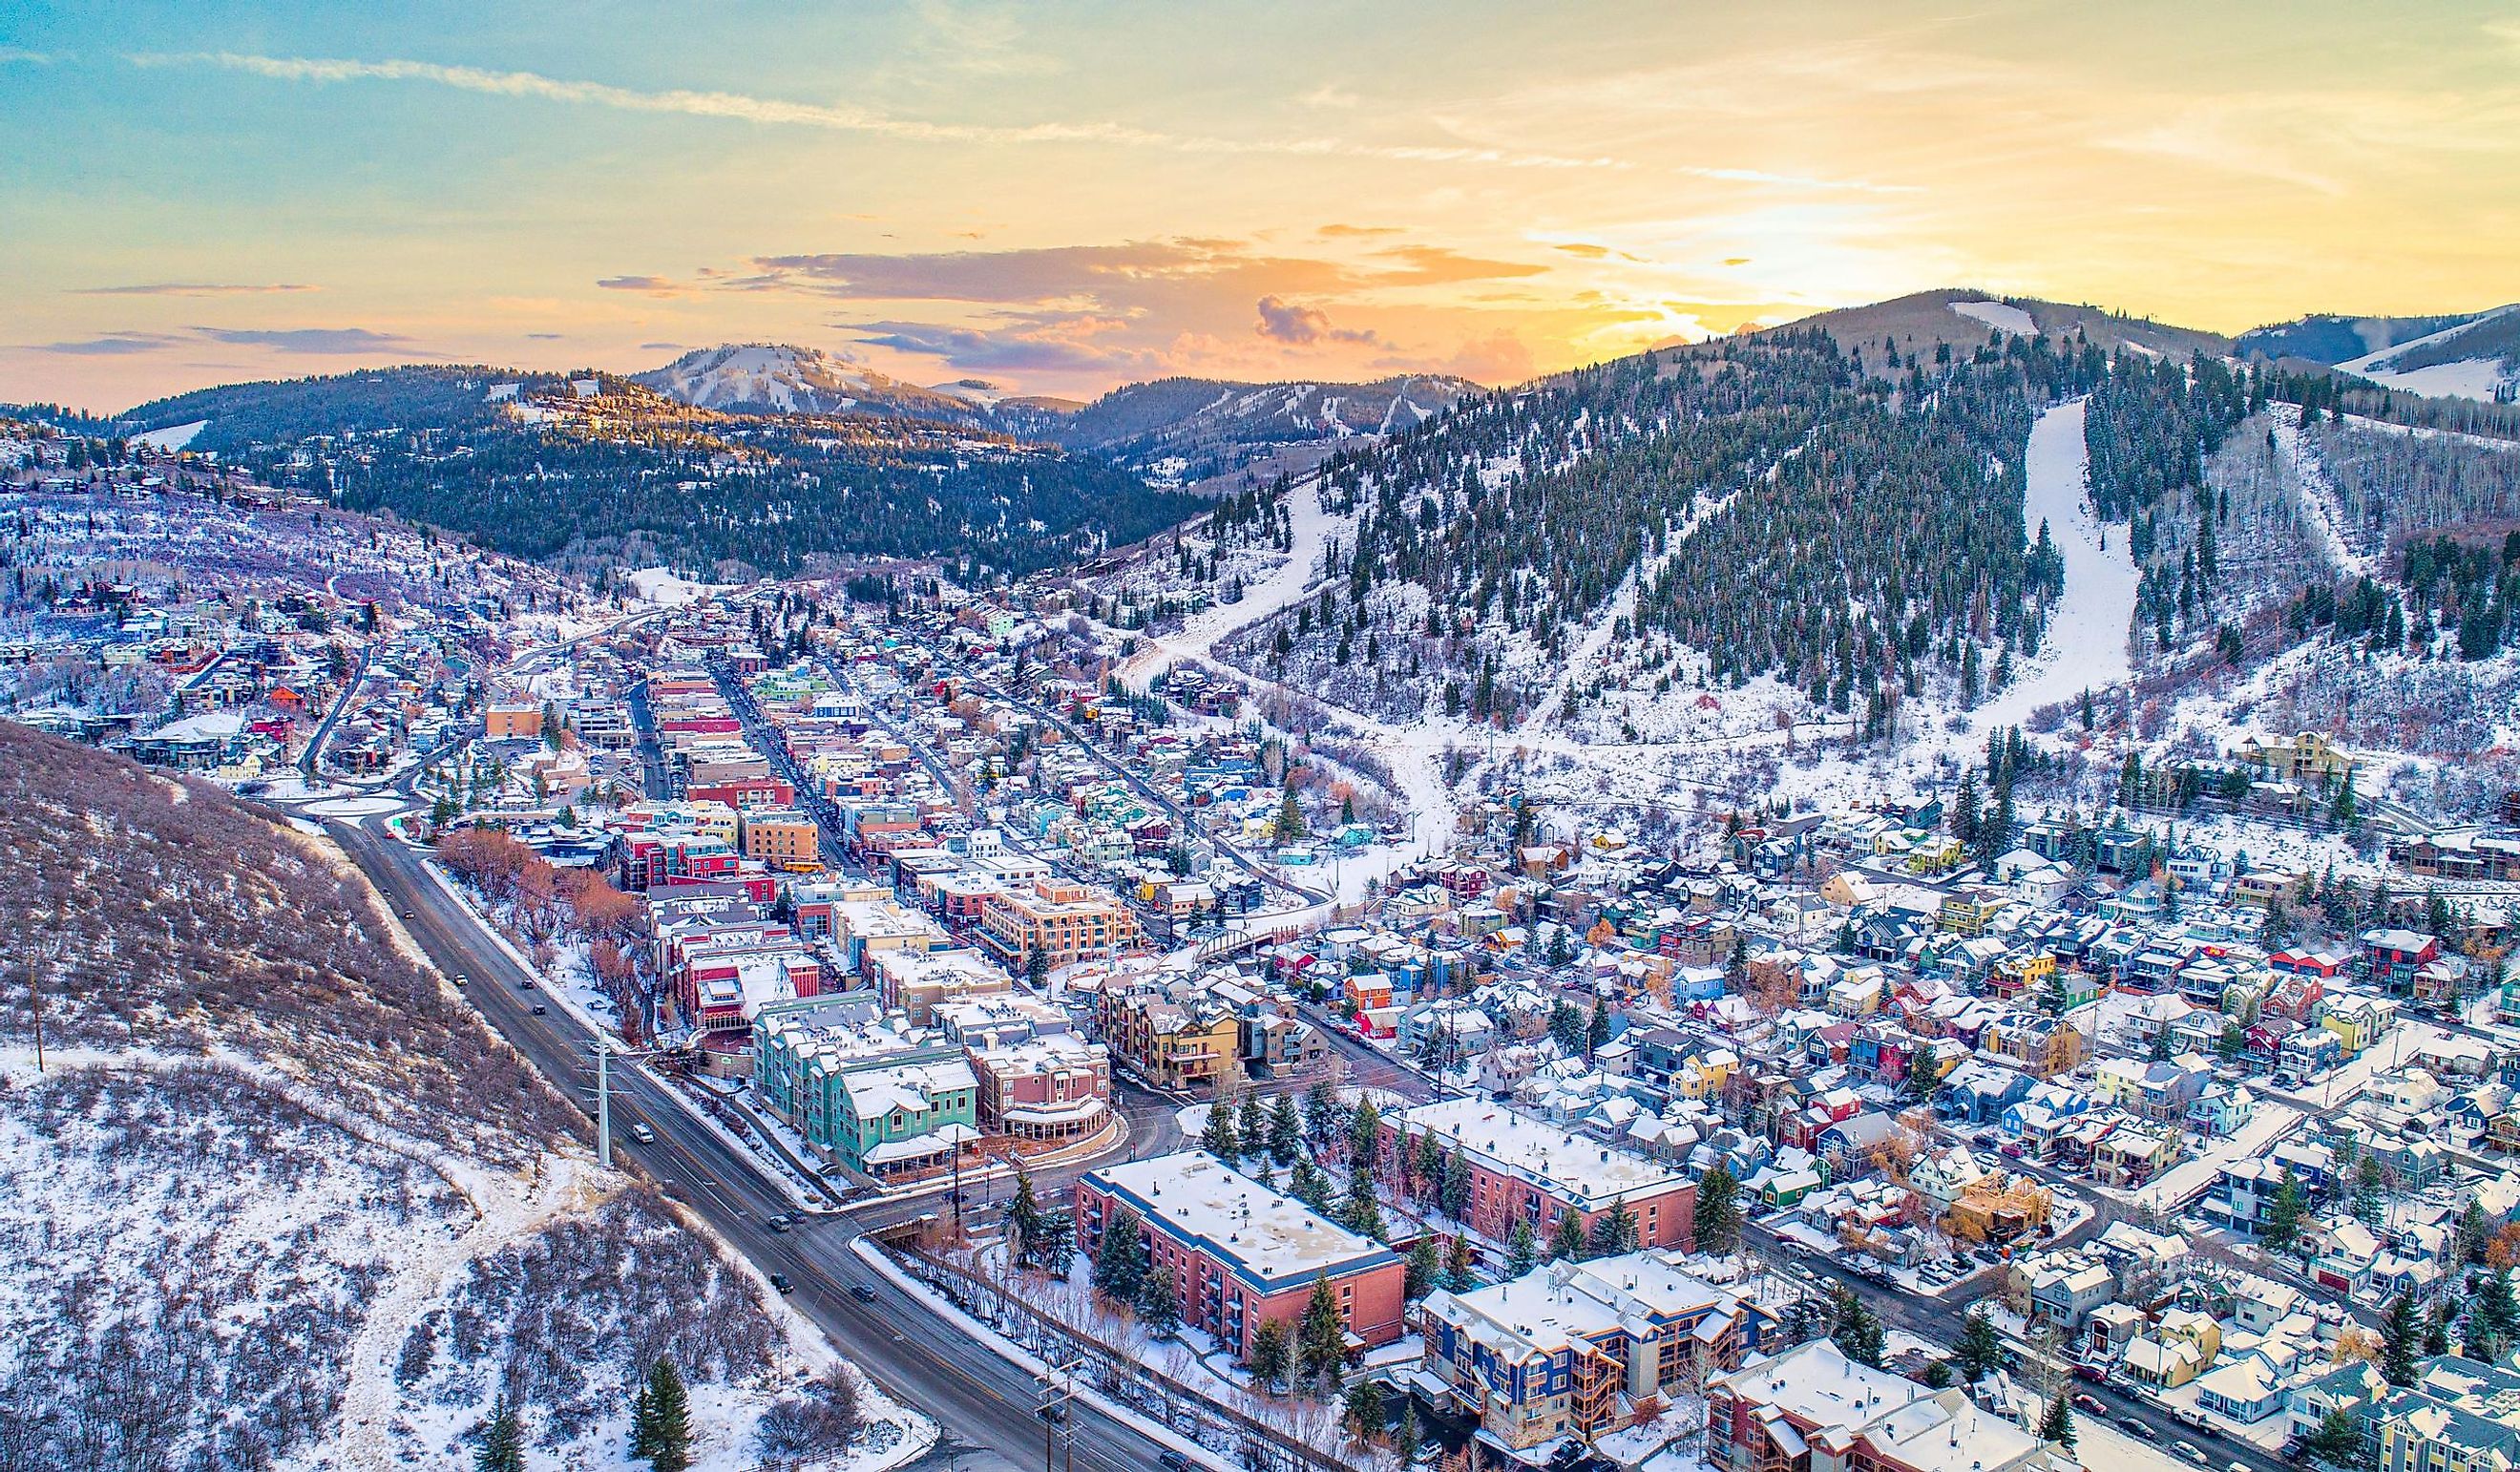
<point>295,1206</point>
<point>2478,359</point>
<point>776,376</point>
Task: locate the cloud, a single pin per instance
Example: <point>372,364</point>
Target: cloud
<point>195,289</point>
<point>664,347</point>
<point>1331,94</point>
<point>305,339</point>
<point>1497,358</point>
<point>112,344</point>
<point>646,286</point>
<point>845,118</point>
<point>21,56</point>
<point>1442,265</point>
<point>1302,325</point>
<point>1341,232</point>
<point>545,337</point>
<point>1017,345</point>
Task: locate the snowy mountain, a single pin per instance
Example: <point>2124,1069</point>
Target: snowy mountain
<point>2328,338</point>
<point>2476,359</point>
<point>1963,317</point>
<point>777,378</point>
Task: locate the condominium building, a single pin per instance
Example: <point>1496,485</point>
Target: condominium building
<point>1242,1254</point>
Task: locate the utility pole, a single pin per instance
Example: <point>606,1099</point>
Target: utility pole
<point>602,1104</point>
<point>1058,1389</point>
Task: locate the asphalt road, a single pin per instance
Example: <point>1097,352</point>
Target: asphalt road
<point>982,1403</point>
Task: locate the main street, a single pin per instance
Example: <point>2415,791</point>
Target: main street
<point>981,1402</point>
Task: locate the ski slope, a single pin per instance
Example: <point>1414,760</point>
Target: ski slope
<point>2085,644</point>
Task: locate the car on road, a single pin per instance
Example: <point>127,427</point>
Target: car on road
<point>525,985</point>
<point>779,1280</point>
<point>406,915</point>
<point>643,1135</point>
<point>1054,1412</point>
<point>775,1224</point>
<point>2135,1427</point>
<point>2189,1450</point>
<point>2088,1404</point>
<point>540,1010</point>
<point>462,980</point>
<point>863,1292</point>
<point>1172,1461</point>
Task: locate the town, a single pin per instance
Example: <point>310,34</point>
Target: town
<point>1952,1135</point>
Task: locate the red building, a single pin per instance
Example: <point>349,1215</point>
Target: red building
<point>1528,1169</point>
<point>1241,1254</point>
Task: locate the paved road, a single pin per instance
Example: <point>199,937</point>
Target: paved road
<point>983,1404</point>
<point>315,744</point>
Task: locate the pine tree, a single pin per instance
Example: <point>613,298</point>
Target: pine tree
<point>1407,1433</point>
<point>1567,1240</point>
<point>502,1440</point>
<point>1458,1276</point>
<point>1361,1212</point>
<point>2282,1226</point>
<point>1521,1249</point>
<point>1321,1345</point>
<point>1024,1215</point>
<point>670,1410</point>
<point>1364,1137</point>
<point>1858,1333</point>
<point>1159,1302</point>
<point>1285,1131</point>
<point>2401,1336</point>
<point>1615,1231</point>
<point>2057,1425</point>
<point>1219,1137</point>
<point>1365,1409</point>
<point>1273,1354</point>
<point>1120,1262</point>
<point>1596,1032</point>
<point>1718,1222</point>
<point>643,1425</point>
<point>2497,1305</point>
<point>1310,1185</point>
<point>1981,1350</point>
<point>1425,1263</point>
<point>1252,1129</point>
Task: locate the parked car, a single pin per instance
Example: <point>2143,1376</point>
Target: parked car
<point>2189,1450</point>
<point>2085,1400</point>
<point>2134,1427</point>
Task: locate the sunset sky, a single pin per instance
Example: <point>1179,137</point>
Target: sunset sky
<point>1064,197</point>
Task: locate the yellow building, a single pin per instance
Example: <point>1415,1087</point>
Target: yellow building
<point>2308,758</point>
<point>781,837</point>
<point>1997,1208</point>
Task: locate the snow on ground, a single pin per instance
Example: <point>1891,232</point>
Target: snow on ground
<point>2100,1445</point>
<point>356,807</point>
<point>2326,514</point>
<point>2000,315</point>
<point>2086,642</point>
<point>172,437</point>
<point>669,589</point>
<point>2191,1177</point>
<point>2478,377</point>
